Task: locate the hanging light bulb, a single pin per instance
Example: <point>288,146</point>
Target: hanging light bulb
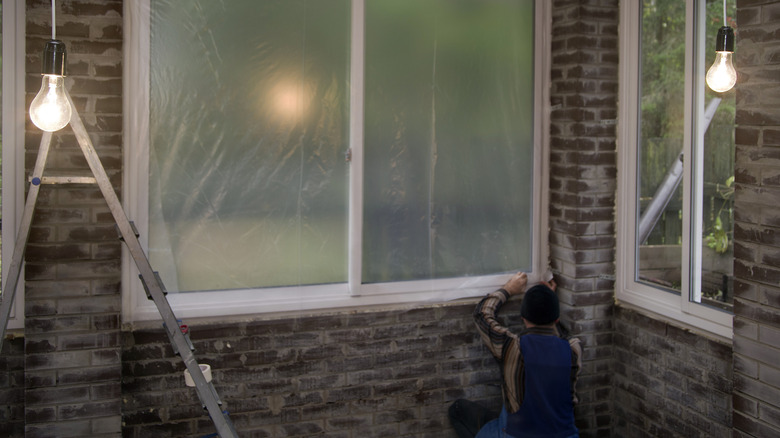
<point>50,110</point>
<point>722,76</point>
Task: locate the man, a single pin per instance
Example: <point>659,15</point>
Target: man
<point>538,367</point>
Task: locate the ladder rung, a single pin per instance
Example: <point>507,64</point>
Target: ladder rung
<point>63,180</point>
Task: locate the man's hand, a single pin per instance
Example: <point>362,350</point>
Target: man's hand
<point>551,284</point>
<point>516,284</point>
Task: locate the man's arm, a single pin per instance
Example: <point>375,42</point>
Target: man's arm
<point>493,333</point>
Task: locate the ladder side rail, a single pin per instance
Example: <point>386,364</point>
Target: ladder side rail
<point>17,259</point>
<point>222,423</point>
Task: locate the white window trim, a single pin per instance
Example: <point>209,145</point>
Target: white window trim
<point>135,305</point>
<point>14,115</point>
<point>665,304</point>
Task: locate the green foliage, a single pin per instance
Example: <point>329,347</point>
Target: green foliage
<point>718,239</point>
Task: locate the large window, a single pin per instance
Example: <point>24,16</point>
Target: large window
<point>676,224</point>
<point>305,154</point>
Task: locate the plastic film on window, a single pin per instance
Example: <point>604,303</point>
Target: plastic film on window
<point>248,122</point>
<point>448,138</point>
<point>249,125</point>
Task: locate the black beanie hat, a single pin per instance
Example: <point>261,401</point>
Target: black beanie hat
<point>540,305</point>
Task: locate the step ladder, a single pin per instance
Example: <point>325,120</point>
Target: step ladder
<point>151,281</point>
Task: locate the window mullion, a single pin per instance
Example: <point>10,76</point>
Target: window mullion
<point>628,135</point>
<point>694,125</point>
<point>356,117</point>
<point>135,176</point>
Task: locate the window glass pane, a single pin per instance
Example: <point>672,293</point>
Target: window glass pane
<point>448,138</point>
<point>718,200</point>
<point>249,125</point>
<point>661,130</point>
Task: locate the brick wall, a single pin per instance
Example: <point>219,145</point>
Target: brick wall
<point>356,374</point>
<point>669,381</point>
<point>72,301</point>
<point>757,221</point>
<point>12,387</point>
<point>583,96</point>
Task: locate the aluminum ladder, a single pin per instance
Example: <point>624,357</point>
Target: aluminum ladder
<point>151,281</point>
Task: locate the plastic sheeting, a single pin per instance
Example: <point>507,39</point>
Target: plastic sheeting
<point>249,124</point>
<point>449,139</point>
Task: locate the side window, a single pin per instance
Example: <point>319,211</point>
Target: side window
<point>676,229</point>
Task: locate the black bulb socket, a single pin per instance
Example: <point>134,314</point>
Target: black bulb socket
<point>725,40</point>
<point>53,62</point>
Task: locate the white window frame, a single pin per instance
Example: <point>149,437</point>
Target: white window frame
<point>681,308</point>
<point>136,307</point>
<point>14,115</point>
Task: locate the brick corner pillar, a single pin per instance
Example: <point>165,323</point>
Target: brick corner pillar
<point>756,403</point>
<point>583,94</point>
<point>72,346</point>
